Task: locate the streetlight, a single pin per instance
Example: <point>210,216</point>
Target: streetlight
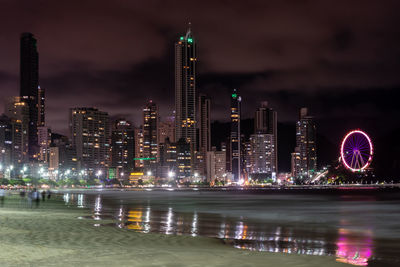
<point>99,172</point>
<point>148,173</point>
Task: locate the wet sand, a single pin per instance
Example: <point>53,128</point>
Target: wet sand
<point>51,235</point>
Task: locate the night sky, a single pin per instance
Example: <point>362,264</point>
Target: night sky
<point>339,58</point>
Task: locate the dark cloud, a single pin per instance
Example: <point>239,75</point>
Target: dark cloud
<point>337,57</point>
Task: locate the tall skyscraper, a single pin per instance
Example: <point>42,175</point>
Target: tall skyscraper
<point>29,82</point>
<point>306,145</point>
<point>90,134</point>
<point>264,142</point>
<point>185,89</point>
<point>235,135</point>
<point>204,124</point>
<point>41,107</point>
<point>123,146</point>
<point>139,147</point>
<point>150,133</point>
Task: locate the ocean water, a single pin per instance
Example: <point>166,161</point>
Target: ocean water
<point>358,229</point>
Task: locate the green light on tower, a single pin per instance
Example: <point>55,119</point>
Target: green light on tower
<point>190,40</point>
<point>234,95</point>
<point>182,38</point>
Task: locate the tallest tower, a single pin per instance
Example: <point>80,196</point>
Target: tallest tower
<point>29,82</point>
<point>185,88</point>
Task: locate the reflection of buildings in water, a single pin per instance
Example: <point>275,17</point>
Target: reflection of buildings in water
<point>277,240</point>
<point>121,213</point>
<point>194,224</point>
<point>222,230</point>
<point>97,206</point>
<point>135,217</point>
<point>241,231</point>
<point>354,248</point>
<point>168,228</point>
<point>66,198</point>
<point>147,226</point>
<point>81,203</point>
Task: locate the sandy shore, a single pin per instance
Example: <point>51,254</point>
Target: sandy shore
<point>52,235</point>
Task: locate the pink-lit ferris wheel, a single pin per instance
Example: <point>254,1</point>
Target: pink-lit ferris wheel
<point>356,151</point>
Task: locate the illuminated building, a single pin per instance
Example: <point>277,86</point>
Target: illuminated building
<point>183,159</point>
<point>90,134</point>
<point>29,82</point>
<point>41,107</point>
<point>185,89</point>
<point>122,147</point>
<point>63,154</point>
<point>263,144</point>
<point>150,133</point>
<point>139,147</point>
<point>6,133</point>
<point>168,159</point>
<point>18,111</point>
<point>263,156</point>
<point>216,165</point>
<point>295,163</point>
<point>44,140</point>
<point>204,124</point>
<point>235,159</point>
<point>54,159</point>
<point>306,145</point>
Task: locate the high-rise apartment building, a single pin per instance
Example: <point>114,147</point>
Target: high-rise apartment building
<point>18,111</point>
<point>41,107</point>
<point>263,156</point>
<point>90,135</point>
<point>44,140</point>
<point>183,159</point>
<point>123,146</point>
<point>29,82</point>
<point>235,147</point>
<point>6,134</point>
<point>150,133</point>
<point>204,125</point>
<point>185,89</point>
<point>216,166</point>
<point>139,144</point>
<point>264,143</point>
<point>306,145</point>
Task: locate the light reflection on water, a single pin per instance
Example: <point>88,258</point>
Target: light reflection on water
<point>347,245</point>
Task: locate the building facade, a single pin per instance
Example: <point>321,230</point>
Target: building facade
<point>166,129</point>
<point>41,107</point>
<point>122,147</point>
<point>18,111</point>
<point>185,89</point>
<point>235,147</point>
<point>90,135</point>
<point>204,125</point>
<point>29,83</point>
<point>263,156</point>
<point>150,133</point>
<point>306,146</point>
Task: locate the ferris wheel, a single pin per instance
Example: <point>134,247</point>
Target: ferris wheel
<point>356,151</point>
